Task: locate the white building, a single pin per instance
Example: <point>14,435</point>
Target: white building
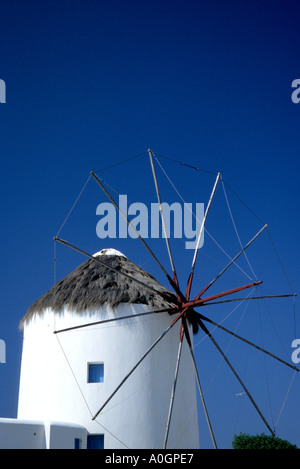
<point>31,434</point>
<point>66,377</point>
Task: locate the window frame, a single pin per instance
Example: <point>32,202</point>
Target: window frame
<point>77,443</point>
<point>89,373</point>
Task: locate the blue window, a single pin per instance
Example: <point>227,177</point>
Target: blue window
<point>95,373</point>
<point>77,443</point>
<point>95,442</point>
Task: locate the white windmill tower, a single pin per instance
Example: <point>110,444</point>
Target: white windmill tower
<point>100,348</point>
<point>68,376</point>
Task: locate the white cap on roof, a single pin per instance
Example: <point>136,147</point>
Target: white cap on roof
<point>108,252</point>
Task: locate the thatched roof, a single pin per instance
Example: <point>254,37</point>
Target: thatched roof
<point>93,284</point>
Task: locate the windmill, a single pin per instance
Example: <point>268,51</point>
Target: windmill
<point>181,308</point>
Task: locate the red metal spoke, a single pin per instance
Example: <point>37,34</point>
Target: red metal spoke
<point>201,301</point>
<point>231,262</point>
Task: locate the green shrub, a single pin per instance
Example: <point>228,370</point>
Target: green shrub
<point>245,441</point>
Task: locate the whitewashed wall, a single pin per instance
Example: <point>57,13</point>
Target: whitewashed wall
<point>25,434</point>
<point>53,383</point>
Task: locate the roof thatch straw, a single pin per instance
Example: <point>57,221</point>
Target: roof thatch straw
<point>92,284</point>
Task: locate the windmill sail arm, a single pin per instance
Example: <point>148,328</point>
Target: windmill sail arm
<point>204,301</point>
<point>128,222</point>
<point>204,318</point>
<point>162,214</point>
<point>119,272</point>
<point>139,362</point>
<point>189,284</point>
<point>203,327</point>
<point>231,262</point>
<point>251,298</point>
<point>122,318</point>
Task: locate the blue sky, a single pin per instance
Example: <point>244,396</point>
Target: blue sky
<point>90,84</point>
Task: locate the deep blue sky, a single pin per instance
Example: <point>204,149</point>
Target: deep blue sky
<point>91,83</point>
